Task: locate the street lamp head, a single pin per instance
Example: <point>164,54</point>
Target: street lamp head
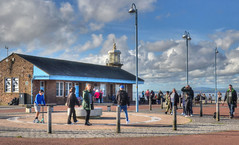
<point>189,38</point>
<point>132,10</point>
<point>184,36</point>
<point>216,51</point>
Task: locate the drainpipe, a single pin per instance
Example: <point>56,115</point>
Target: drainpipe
<point>31,90</point>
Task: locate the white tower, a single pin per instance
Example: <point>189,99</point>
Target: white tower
<point>114,57</point>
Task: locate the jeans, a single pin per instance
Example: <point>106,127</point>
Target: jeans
<point>124,108</point>
<point>231,108</point>
<point>72,111</point>
<point>159,101</point>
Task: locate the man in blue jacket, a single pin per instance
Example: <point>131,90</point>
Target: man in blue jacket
<point>39,100</point>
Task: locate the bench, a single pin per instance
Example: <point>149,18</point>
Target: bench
<point>105,104</point>
<point>81,113</point>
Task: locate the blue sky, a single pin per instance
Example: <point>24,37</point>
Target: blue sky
<point>84,31</point>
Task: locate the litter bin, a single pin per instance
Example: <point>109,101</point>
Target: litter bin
<point>22,98</point>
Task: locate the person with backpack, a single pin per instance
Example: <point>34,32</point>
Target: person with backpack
<point>123,101</point>
<point>231,97</point>
<point>71,102</point>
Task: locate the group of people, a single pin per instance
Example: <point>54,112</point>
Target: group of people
<point>155,98</point>
<point>87,103</point>
<point>172,99</point>
<point>122,98</point>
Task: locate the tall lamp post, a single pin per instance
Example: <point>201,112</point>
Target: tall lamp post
<point>187,37</point>
<point>217,103</point>
<point>133,9</point>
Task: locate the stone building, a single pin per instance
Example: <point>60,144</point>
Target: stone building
<point>28,74</point>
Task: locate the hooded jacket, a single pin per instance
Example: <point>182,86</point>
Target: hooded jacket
<point>233,98</point>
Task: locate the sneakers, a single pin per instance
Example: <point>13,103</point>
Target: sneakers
<point>69,123</point>
<point>191,115</point>
<point>171,113</point>
<point>183,114</point>
<point>127,122</point>
<point>76,121</point>
<point>36,121</point>
<point>166,112</point>
<point>186,116</point>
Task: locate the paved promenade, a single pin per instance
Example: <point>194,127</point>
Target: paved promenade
<point>15,123</point>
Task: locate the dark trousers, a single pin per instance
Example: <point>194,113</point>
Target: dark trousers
<point>72,111</point>
<point>188,107</point>
<point>87,117</point>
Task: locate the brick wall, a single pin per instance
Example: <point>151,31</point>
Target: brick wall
<point>19,68</point>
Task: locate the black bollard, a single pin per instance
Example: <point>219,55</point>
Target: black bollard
<point>217,111</point>
<point>161,102</point>
<point>200,106</point>
<point>174,117</point>
<point>118,119</point>
<point>49,128</point>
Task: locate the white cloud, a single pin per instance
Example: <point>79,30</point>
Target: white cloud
<point>106,11</point>
<point>96,42</point>
<point>36,24</point>
<point>225,39</point>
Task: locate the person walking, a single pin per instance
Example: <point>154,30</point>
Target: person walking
<point>39,100</point>
<point>173,99</point>
<point>184,104</point>
<point>160,95</point>
<point>123,101</point>
<point>71,102</point>
<point>168,102</point>
<point>87,103</point>
<point>152,97</point>
<point>101,96</point>
<point>97,96</point>
<point>147,95</point>
<point>231,97</point>
<point>187,90</point>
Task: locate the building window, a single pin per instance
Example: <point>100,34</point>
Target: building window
<point>7,84</point>
<point>59,89</point>
<point>68,86</point>
<point>42,85</point>
<point>103,88</point>
<point>15,84</point>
